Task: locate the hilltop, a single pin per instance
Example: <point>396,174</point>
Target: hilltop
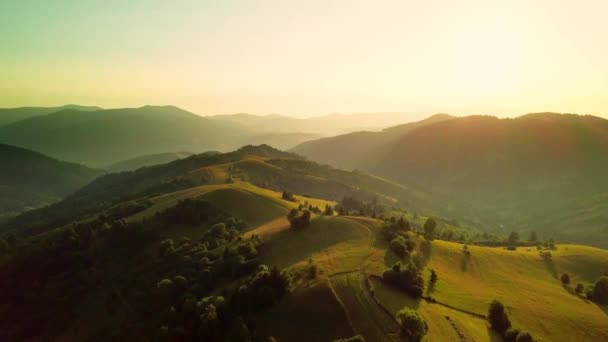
<point>31,180</point>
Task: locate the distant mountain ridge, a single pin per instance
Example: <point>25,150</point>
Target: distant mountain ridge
<point>102,137</point>
<point>541,171</point>
<point>10,115</point>
<point>359,149</point>
<point>30,180</point>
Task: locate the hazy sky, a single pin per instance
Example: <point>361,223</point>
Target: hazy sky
<point>308,57</point>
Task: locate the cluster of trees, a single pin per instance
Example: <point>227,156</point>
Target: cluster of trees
<point>408,279</point>
<point>299,219</point>
<point>500,322</point>
<point>350,205</point>
<point>213,318</point>
<point>598,292</point>
<point>288,196</point>
<point>134,266</point>
<point>412,325</point>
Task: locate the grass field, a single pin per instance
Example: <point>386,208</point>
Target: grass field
<point>346,248</point>
<point>252,204</point>
<point>527,285</point>
<point>365,315</point>
<point>308,314</point>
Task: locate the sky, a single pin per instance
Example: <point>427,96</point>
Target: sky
<point>306,58</point>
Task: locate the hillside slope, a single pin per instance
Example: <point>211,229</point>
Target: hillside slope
<point>359,150</point>
<point>147,160</point>
<point>30,180</point>
<point>542,172</point>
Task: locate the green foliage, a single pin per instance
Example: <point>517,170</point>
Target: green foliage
<point>429,229</point>
<point>513,239</point>
<point>579,289</point>
<point>288,196</point>
<point>499,321</point>
<point>413,327</point>
<point>408,280</point>
<point>524,337</point>
<point>299,219</point>
<point>600,291</point>
<point>434,277</point>
<point>565,278</point>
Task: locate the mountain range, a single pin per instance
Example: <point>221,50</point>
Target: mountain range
<point>538,172</point>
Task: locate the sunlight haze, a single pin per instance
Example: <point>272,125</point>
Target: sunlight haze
<point>308,58</point>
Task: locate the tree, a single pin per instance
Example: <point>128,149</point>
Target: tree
<point>600,291</point>
<point>403,223</point>
<point>433,277</point>
<point>329,211</point>
<point>498,317</point>
<point>565,279</point>
<point>524,337</point>
<point>413,327</point>
<point>579,289</point>
<point>398,246</point>
<point>533,237</point>
<point>429,229</point>
<point>513,239</point>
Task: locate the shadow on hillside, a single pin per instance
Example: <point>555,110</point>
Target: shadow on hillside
<point>465,261</point>
<point>603,308</point>
<point>425,252</point>
<point>550,267</point>
<point>494,336</point>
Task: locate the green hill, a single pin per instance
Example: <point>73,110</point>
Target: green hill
<point>262,165</point>
<point>359,150</point>
<point>540,172</point>
<point>175,252</point>
<point>147,160</point>
<point>10,115</point>
<point>31,180</point>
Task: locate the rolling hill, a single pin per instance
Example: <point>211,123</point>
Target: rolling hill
<point>140,255</point>
<point>147,160</point>
<point>31,180</point>
<point>261,165</point>
<point>540,172</point>
<point>10,115</point>
<point>359,150</point>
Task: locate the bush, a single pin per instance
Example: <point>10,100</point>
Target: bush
<point>524,337</point>
<point>413,327</point>
<point>600,291</point>
<point>399,247</point>
<point>409,280</point>
<point>511,335</point>
<point>297,220</point>
<point>579,289</point>
<point>565,279</point>
<point>429,229</point>
<point>499,321</point>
